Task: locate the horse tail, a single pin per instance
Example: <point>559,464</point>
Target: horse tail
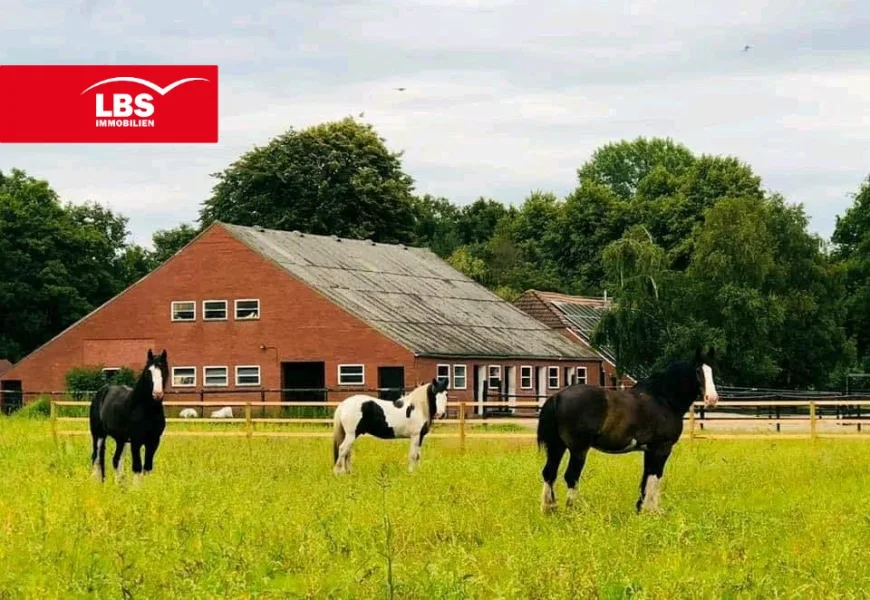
<point>337,433</point>
<point>548,430</point>
<point>94,412</point>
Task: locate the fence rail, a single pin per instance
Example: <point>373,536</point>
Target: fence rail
<point>696,420</point>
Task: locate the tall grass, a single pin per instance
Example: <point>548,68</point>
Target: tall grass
<point>266,518</point>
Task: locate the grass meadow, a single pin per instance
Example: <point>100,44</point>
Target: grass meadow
<point>266,518</point>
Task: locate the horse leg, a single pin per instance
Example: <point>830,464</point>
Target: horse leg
<point>136,450</point>
<point>150,451</point>
<point>555,452</point>
<point>342,463</point>
<point>654,461</point>
<point>98,459</point>
<point>572,474</point>
<point>117,459</point>
<point>414,453</point>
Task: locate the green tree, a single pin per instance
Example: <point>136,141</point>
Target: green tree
<point>169,241</point>
<point>621,166</point>
<point>335,178</point>
<point>851,240</point>
<point>436,225</point>
<point>59,261</point>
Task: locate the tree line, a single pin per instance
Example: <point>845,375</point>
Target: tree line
<point>691,247</point>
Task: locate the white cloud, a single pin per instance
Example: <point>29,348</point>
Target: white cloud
<point>501,97</point>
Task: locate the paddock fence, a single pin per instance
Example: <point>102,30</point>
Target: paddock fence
<point>741,413</point>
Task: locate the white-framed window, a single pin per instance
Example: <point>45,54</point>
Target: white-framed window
<point>553,377</point>
<point>110,372</point>
<point>351,375</point>
<point>248,375</point>
<point>581,375</point>
<point>443,372</point>
<point>460,377</point>
<point>248,309</point>
<point>525,377</point>
<point>494,377</point>
<point>214,310</point>
<point>183,376</point>
<point>215,376</point>
<point>183,310</point>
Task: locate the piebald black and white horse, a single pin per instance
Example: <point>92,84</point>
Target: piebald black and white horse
<point>133,415</point>
<point>408,417</point>
<point>646,418</point>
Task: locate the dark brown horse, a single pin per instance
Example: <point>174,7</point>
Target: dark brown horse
<point>646,418</point>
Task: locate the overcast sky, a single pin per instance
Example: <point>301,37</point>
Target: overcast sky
<point>502,97</point>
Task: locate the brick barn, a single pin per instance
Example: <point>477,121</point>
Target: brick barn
<point>259,312</point>
<point>575,317</point>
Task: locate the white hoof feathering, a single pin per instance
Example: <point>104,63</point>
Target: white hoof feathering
<point>651,497</point>
<point>548,498</point>
<point>572,495</point>
<point>137,479</point>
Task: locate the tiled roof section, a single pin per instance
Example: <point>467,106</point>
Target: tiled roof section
<point>581,314</point>
<point>412,296</point>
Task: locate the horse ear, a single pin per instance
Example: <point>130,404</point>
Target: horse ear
<point>698,354</point>
<point>150,355</point>
<point>711,354</point>
<point>163,354</point>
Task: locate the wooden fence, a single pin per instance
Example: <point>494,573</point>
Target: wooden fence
<point>697,420</point>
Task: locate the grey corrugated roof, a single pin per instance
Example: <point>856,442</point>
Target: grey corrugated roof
<point>412,296</point>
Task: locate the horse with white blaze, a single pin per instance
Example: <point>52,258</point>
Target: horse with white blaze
<point>408,417</point>
<point>646,418</point>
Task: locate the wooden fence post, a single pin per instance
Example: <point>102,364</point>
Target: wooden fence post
<point>812,420</point>
<point>53,412</point>
<point>692,422</point>
<point>249,424</point>
<point>462,426</point>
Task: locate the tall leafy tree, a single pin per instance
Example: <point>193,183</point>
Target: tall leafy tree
<point>851,240</point>
<point>169,241</point>
<point>335,178</point>
<point>59,261</point>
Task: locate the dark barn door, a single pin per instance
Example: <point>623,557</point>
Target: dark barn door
<point>11,397</point>
<point>298,376</point>
<point>391,382</point>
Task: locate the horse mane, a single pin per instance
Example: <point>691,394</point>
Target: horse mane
<point>668,386</point>
<point>419,399</point>
<point>141,385</point>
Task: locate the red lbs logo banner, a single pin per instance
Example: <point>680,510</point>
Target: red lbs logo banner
<point>109,104</point>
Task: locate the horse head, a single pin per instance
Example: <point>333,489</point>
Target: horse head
<point>158,369</point>
<point>438,389</point>
<point>704,373</point>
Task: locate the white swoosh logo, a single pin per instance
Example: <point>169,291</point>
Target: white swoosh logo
<point>148,84</point>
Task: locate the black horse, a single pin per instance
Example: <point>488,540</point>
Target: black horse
<point>133,415</point>
<point>646,418</point>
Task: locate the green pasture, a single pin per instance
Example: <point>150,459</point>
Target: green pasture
<point>266,518</point>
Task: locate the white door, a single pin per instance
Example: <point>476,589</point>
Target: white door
<point>542,385</point>
<point>512,388</point>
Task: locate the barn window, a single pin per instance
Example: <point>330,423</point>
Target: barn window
<point>247,310</point>
<point>214,376</point>
<point>581,375</point>
<point>248,375</point>
<point>443,372</point>
<point>460,377</point>
<point>183,376</point>
<point>184,310</point>
<point>526,377</point>
<point>351,375</point>
<point>553,377</point>
<point>214,310</point>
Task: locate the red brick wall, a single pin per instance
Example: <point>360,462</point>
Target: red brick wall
<point>296,323</point>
